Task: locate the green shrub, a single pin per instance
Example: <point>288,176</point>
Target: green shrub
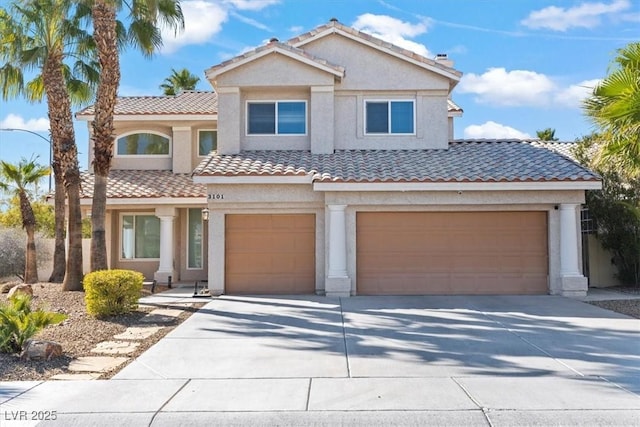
<point>18,322</point>
<point>111,292</point>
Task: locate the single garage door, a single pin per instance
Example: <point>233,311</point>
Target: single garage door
<point>413,253</point>
<point>270,254</point>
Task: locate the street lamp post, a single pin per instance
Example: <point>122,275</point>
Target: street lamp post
<point>40,136</point>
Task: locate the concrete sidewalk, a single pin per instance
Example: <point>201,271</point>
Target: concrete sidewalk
<point>482,361</point>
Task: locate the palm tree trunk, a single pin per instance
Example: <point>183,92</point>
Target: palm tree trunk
<point>29,224</point>
<point>66,154</point>
<point>104,33</point>
<point>59,252</point>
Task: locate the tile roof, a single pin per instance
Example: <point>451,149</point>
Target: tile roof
<point>130,184</point>
<point>334,24</point>
<point>272,45</point>
<point>187,102</point>
<point>464,161</point>
<point>563,147</point>
<point>452,107</point>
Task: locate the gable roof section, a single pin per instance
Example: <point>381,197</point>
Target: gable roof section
<point>145,184</point>
<point>277,48</point>
<point>185,103</point>
<point>465,161</point>
<point>334,27</point>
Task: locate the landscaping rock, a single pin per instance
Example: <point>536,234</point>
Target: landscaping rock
<point>23,288</point>
<point>41,350</point>
<point>6,287</point>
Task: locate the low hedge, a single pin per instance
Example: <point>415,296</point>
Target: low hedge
<point>112,292</point>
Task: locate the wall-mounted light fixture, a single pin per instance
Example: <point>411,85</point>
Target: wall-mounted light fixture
<point>205,214</point>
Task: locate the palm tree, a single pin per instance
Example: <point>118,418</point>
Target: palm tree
<point>614,107</point>
<point>39,36</point>
<point>178,81</point>
<point>145,16</point>
<point>17,179</point>
<point>548,134</point>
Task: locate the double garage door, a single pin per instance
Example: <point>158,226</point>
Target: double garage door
<point>405,253</point>
<point>397,253</point>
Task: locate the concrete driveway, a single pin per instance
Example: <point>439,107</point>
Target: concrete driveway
<point>507,360</point>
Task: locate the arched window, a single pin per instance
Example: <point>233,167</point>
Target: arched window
<point>143,144</point>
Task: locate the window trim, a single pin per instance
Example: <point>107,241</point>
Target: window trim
<point>198,142</point>
<point>189,242</point>
<point>139,156</point>
<point>120,224</point>
<point>276,102</point>
<point>388,101</point>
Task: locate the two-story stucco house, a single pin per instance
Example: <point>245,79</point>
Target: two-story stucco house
<point>326,164</point>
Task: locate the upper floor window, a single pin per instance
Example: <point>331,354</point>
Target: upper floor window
<point>390,117</point>
<point>207,142</point>
<point>143,144</point>
<point>277,118</point>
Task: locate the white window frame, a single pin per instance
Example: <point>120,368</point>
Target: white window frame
<point>198,141</point>
<point>389,101</point>
<point>189,241</point>
<point>276,102</point>
<point>142,156</point>
<point>121,223</point>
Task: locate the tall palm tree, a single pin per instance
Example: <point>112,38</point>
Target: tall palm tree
<point>614,107</point>
<point>40,36</point>
<point>17,179</point>
<point>179,80</point>
<point>143,32</point>
<point>548,134</point>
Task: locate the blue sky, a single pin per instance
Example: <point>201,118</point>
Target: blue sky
<point>527,63</point>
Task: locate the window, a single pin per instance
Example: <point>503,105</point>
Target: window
<point>389,117</point>
<point>140,237</point>
<point>277,118</point>
<point>207,142</point>
<point>143,144</point>
<point>194,247</point>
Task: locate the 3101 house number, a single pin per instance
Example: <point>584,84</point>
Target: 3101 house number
<point>216,196</point>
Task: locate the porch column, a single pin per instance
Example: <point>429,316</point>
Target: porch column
<point>338,283</point>
<point>166,268</point>
<point>573,283</point>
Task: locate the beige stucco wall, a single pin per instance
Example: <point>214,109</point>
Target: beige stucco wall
<point>183,157</point>
<point>370,69</point>
<point>602,272</point>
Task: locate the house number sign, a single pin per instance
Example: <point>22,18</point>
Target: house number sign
<point>215,196</point>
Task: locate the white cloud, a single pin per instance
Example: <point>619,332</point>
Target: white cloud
<point>511,88</point>
<point>585,15</point>
<point>13,121</point>
<point>493,130</point>
<point>251,4</point>
<point>573,95</point>
<point>202,20</point>
<point>394,31</point>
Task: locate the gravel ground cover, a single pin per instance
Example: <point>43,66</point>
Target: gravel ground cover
<point>80,332</point>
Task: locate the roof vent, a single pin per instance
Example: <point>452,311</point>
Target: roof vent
<point>443,58</point>
<point>333,20</point>
<point>273,40</point>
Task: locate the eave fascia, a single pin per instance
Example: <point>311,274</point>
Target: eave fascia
<point>154,201</point>
<point>457,186</point>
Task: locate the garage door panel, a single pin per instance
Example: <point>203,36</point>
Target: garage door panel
<point>451,252</point>
<point>270,254</point>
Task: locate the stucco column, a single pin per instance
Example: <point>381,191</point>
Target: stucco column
<point>166,267</point>
<point>338,283</point>
<point>216,259</point>
<point>573,283</point>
